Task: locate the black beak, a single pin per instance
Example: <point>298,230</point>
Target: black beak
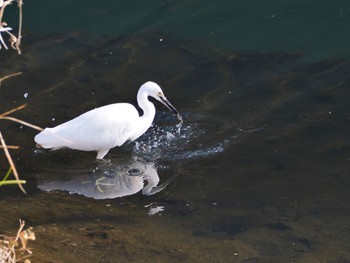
<point>170,107</point>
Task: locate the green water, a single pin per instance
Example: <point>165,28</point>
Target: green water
<point>259,171</point>
<point>318,29</point>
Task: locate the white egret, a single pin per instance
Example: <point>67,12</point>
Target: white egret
<point>106,127</point>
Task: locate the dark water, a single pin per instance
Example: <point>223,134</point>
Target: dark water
<point>319,30</point>
<point>257,173</point>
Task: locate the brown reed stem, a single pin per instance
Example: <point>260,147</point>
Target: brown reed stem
<point>15,41</point>
<point>19,37</point>
<point>10,161</point>
<point>12,248</point>
<point>15,147</point>
<point>6,3</point>
<point>21,122</point>
<point>9,76</point>
<point>13,110</point>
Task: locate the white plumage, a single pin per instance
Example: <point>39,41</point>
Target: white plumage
<point>106,127</point>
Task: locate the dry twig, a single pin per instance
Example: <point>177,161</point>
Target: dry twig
<point>19,37</point>
<point>4,116</point>
<point>10,147</point>
<point>11,250</point>
<point>5,147</point>
<point>13,110</point>
<point>9,76</point>
<point>2,140</point>
<point>10,161</point>
<point>21,122</point>
<point>15,41</point>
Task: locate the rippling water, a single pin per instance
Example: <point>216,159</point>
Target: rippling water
<point>258,172</point>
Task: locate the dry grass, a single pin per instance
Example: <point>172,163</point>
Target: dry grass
<point>9,76</point>
<point>5,147</point>
<point>15,249</point>
<point>15,41</point>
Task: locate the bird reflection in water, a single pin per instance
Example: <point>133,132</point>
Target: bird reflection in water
<point>111,180</point>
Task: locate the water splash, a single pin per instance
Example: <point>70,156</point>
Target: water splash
<point>169,142</point>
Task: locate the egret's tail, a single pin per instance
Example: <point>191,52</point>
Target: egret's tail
<point>48,139</point>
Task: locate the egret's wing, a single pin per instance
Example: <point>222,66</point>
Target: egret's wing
<point>101,128</point>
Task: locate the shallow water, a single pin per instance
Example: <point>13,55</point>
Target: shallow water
<point>257,173</point>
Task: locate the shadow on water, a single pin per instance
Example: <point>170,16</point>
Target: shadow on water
<point>257,173</point>
<point>110,179</point>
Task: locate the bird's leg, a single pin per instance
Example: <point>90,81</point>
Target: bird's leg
<point>101,154</point>
<point>96,164</point>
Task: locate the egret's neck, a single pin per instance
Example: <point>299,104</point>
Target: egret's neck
<point>147,107</point>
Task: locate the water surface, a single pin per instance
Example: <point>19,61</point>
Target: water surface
<point>258,172</point>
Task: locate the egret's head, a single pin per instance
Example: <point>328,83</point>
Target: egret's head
<point>156,92</point>
<point>152,89</point>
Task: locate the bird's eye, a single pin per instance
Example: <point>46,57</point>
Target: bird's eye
<point>160,94</point>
